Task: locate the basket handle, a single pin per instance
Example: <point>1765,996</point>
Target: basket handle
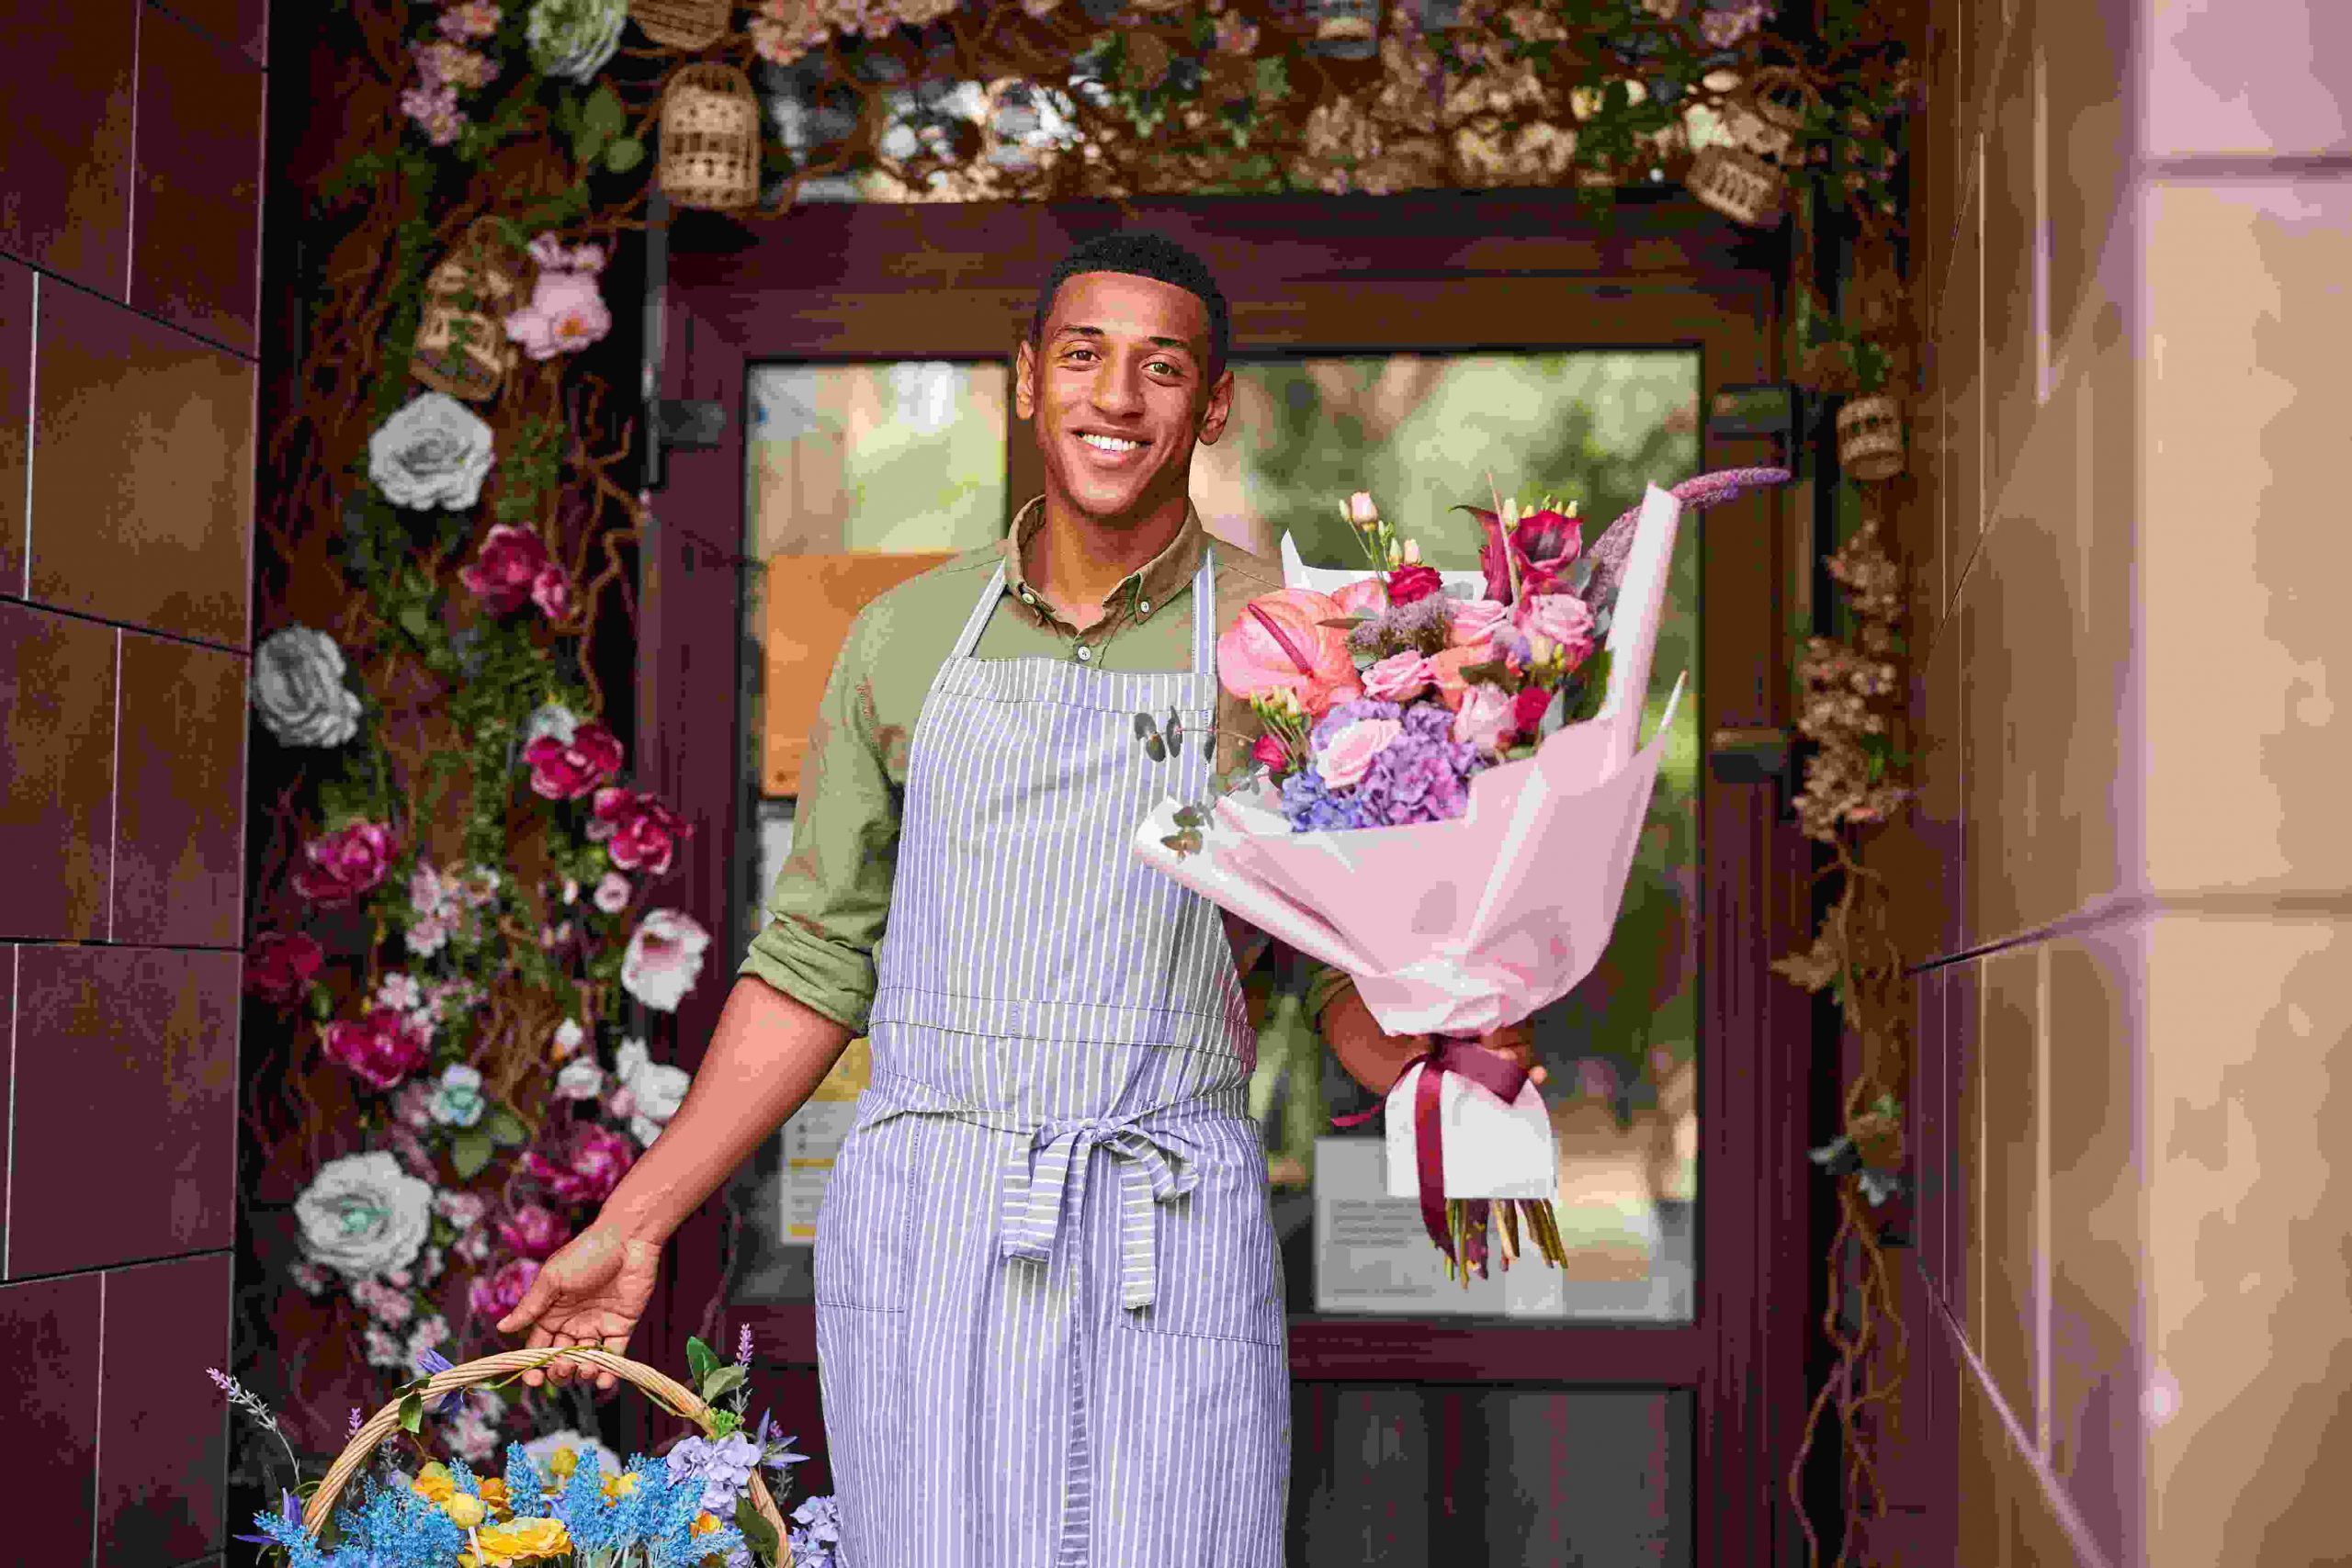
<point>666,1390</point>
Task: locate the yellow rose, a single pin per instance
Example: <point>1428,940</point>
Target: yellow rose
<point>433,1484</point>
<point>521,1541</point>
<point>562,1463</point>
<point>493,1492</point>
<point>706,1523</point>
<point>619,1486</point>
<point>464,1509</point>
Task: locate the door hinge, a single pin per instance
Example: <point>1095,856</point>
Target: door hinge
<point>1756,757</point>
<point>680,424</point>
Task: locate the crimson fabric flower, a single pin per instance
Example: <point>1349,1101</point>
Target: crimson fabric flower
<point>345,865</point>
<point>1542,546</point>
<point>584,1171</point>
<point>280,964</point>
<point>380,1049</point>
<point>495,1295</point>
<point>1528,708</point>
<point>1410,584</point>
<point>551,592</point>
<point>566,769</point>
<point>506,568</point>
<point>638,832</point>
<point>533,1231</point>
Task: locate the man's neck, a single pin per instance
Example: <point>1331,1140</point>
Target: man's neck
<point>1076,561</point>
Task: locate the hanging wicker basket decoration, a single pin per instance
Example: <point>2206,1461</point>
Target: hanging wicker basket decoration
<point>1737,184</point>
<point>1664,11</point>
<point>710,139</point>
<point>1869,437</point>
<point>1350,25</point>
<point>681,24</point>
<point>1770,114</point>
<point>461,346</point>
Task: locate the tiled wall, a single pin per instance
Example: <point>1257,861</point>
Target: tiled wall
<point>130,226</point>
<point>2137,217</point>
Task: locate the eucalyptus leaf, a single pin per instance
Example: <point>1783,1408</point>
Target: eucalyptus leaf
<point>1155,748</point>
<point>1145,726</point>
<point>469,1151</point>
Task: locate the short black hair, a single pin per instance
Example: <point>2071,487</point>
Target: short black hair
<point>1141,253</point>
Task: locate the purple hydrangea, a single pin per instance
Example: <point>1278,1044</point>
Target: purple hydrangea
<point>723,1466</point>
<point>1421,777</point>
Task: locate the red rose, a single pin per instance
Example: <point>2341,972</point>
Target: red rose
<point>494,1295</point>
<point>586,1170</point>
<point>1410,584</point>
<point>280,964</point>
<point>566,769</point>
<point>642,832</point>
<point>533,1231</point>
<point>1527,710</point>
<point>503,572</point>
<point>551,592</point>
<point>381,1048</point>
<point>345,865</point>
<point>1271,751</point>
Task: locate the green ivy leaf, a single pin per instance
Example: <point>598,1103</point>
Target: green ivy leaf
<point>469,1151</point>
<point>626,153</point>
<point>412,1412</point>
<point>699,1360</point>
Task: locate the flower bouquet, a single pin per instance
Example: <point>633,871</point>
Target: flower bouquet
<point>565,1500</point>
<point>1445,804</point>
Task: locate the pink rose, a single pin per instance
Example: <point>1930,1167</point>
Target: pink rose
<point>1412,583</point>
<point>381,1048</point>
<point>495,1295</point>
<point>642,832</point>
<point>1527,710</point>
<point>566,769</point>
<point>586,1170</point>
<point>1344,758</point>
<point>1280,643</point>
<point>566,314</point>
<point>509,562</point>
<point>1474,621</point>
<point>1445,669</point>
<point>663,959</point>
<point>413,1104</point>
<point>1365,596</point>
<point>612,893</point>
<point>1484,718</point>
<point>345,865</point>
<point>1397,678</point>
<point>551,592</point>
<point>533,1230</point>
<point>1563,617</point>
<point>280,964</point>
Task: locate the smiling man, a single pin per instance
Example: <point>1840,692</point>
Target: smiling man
<point>1050,1317</point>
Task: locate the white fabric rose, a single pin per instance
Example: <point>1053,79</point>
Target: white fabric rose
<point>665,959</point>
<point>549,720</point>
<point>569,1037</point>
<point>457,1099</point>
<point>298,689</point>
<point>434,452</point>
<point>572,39</point>
<point>580,1079</point>
<point>363,1216</point>
<point>657,1088</point>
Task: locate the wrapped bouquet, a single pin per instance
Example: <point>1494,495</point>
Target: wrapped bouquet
<point>1445,804</point>
<point>564,1499</point>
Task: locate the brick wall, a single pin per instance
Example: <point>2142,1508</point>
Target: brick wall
<point>131,156</point>
<point>2137,217</point>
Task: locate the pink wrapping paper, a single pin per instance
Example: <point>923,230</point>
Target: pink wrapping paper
<point>1473,924</point>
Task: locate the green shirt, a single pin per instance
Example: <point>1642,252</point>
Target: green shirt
<point>831,901</point>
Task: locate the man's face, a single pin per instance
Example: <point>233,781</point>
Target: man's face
<point>1118,384</point>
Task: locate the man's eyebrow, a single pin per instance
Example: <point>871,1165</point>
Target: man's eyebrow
<point>1097,331</point>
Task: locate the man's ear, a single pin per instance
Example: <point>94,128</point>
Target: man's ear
<point>1220,408</point>
<point>1024,373</point>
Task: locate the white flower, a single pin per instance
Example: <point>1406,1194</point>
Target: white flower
<point>298,690</point>
<point>429,892</point>
<point>584,1448</point>
<point>663,960</point>
<point>551,720</point>
<point>580,1079</point>
<point>569,1037</point>
<point>571,891</point>
<point>434,452</point>
<point>571,40</point>
<point>612,893</point>
<point>363,1215</point>
<point>463,1210</point>
<point>457,1099</point>
<point>399,992</point>
<point>430,1269</point>
<point>657,1088</point>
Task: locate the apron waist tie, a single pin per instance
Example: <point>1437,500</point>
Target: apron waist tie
<point>1150,1171</point>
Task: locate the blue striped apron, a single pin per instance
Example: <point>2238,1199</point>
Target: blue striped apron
<point>1050,1325</point>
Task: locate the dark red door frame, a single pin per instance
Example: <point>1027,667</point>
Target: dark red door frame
<point>1450,272</point>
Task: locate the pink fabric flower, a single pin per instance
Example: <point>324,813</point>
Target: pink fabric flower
<point>1397,678</point>
<point>469,19</point>
<point>1473,621</point>
<point>551,592</point>
<point>638,832</point>
<point>586,1170</point>
<point>508,564</point>
<point>566,769</point>
<point>494,1295</point>
<point>663,959</point>
<point>434,109</point>
<point>566,314</point>
<point>1484,718</point>
<point>280,964</point>
<point>413,1105</point>
<point>381,1048</point>
<point>1563,617</point>
<point>622,1105</point>
<point>1365,596</point>
<point>1445,669</point>
<point>1280,643</point>
<point>345,865</point>
<point>612,893</point>
<point>1348,753</point>
<point>533,1230</point>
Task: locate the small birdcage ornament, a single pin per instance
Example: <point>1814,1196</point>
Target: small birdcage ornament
<point>681,24</point>
<point>1737,184</point>
<point>461,346</point>
<point>1870,436</point>
<point>1769,115</point>
<point>710,138</point>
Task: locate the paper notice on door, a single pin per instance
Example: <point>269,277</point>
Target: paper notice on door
<point>1372,1255</point>
<point>812,1140</point>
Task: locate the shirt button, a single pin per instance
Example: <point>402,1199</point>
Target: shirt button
<point>1143,607</point>
<point>1085,654</point>
<point>1027,597</point>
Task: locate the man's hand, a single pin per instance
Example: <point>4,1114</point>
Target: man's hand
<point>591,1294</point>
<point>1518,1042</point>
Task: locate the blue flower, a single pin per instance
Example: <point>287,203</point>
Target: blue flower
<point>432,1362</point>
<point>526,1491</point>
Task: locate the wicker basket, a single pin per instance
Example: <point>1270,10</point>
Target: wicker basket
<point>681,24</point>
<point>1768,116</point>
<point>461,346</point>
<point>1737,184</point>
<point>710,138</point>
<point>1869,437</point>
<point>1346,21</point>
<point>667,1391</point>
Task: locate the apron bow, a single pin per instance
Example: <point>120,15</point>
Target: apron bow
<point>1150,1171</point>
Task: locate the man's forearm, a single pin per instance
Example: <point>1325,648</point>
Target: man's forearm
<point>767,1055</point>
<point>1373,1059</point>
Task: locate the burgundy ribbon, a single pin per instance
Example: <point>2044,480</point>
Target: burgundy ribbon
<point>1460,1054</point>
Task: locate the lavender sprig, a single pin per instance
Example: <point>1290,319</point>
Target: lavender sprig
<point>249,1402</point>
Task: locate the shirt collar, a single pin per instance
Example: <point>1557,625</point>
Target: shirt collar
<point>1157,581</point>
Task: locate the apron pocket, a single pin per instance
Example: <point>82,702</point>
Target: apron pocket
<point>866,1225</point>
<point>1217,1274</point>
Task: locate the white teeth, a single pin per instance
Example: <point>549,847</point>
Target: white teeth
<point>1109,443</point>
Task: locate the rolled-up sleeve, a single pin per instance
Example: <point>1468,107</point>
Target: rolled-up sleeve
<point>830,904</point>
